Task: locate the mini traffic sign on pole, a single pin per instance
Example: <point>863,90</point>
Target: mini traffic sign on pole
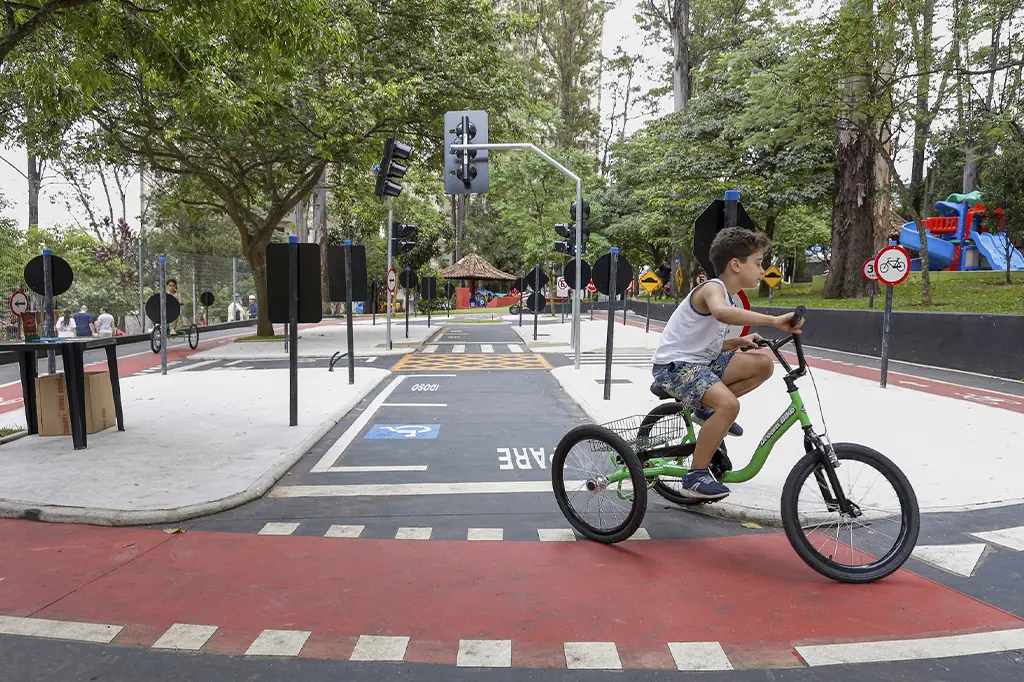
<point>868,270</point>
<point>612,280</point>
<point>772,277</point>
<point>18,302</point>
<point>892,267</point>
<point>679,280</point>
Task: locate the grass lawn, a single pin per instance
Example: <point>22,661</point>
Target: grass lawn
<point>982,293</point>
<point>8,430</point>
<point>502,310</point>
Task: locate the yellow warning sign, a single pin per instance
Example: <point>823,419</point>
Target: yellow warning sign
<point>679,278</point>
<point>651,282</point>
<point>772,276</point>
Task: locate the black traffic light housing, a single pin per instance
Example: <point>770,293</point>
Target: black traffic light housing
<point>401,237</point>
<point>389,170</point>
<point>465,172</point>
<point>568,230</point>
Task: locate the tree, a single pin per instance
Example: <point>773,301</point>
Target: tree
<point>254,100</point>
<point>1003,184</point>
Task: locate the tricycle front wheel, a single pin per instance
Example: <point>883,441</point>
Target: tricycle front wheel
<point>598,508</point>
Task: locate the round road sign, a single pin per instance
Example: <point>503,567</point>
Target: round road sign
<point>409,279</point>
<point>536,302</point>
<point>591,287</point>
<point>153,308</point>
<point>602,273</point>
<point>206,298</point>
<point>892,265</point>
<point>868,270</point>
<point>18,302</point>
<point>61,274</point>
<point>392,280</point>
<point>569,272</point>
<point>740,300</point>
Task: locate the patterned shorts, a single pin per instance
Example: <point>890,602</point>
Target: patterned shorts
<point>689,381</point>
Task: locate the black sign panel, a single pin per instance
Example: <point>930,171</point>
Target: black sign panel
<point>449,289</point>
<point>153,308</point>
<point>569,273</point>
<point>61,271</point>
<point>708,224</point>
<point>336,273</point>
<point>408,279</point>
<point>531,279</point>
<point>536,302</point>
<point>310,298</point>
<point>428,287</point>
<point>206,298</point>
<point>602,272</point>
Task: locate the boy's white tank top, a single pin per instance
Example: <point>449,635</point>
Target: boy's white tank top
<point>691,336</point>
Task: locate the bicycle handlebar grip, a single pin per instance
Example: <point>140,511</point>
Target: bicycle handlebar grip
<point>798,314</point>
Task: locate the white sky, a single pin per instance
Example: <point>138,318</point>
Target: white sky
<point>620,30</point>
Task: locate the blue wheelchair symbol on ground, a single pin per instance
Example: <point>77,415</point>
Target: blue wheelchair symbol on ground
<point>383,431</point>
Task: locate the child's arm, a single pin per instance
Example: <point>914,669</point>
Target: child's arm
<point>713,298</point>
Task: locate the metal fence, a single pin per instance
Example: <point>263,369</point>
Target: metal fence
<point>121,281</point>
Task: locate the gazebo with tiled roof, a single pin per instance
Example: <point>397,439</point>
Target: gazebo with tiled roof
<point>473,267</point>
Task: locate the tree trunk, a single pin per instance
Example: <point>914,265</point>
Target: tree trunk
<point>256,255</point>
<point>922,126</point>
<point>679,28</point>
<point>34,184</point>
<point>769,229</point>
<point>853,232</point>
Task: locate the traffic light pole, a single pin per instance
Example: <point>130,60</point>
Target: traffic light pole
<point>579,220</point>
<point>391,219</point>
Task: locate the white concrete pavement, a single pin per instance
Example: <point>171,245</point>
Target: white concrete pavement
<point>324,340</point>
<point>195,442</point>
<point>957,455</point>
<point>554,337</point>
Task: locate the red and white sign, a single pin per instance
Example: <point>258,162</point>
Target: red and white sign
<point>892,265</point>
<point>392,280</point>
<point>740,300</point>
<point>868,270</point>
<point>18,302</point>
<point>562,288</point>
<point>701,279</point>
<point>591,287</point>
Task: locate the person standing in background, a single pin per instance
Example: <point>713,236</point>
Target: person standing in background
<point>172,289</point>
<point>66,327</point>
<point>253,308</point>
<point>84,323</point>
<point>104,323</point>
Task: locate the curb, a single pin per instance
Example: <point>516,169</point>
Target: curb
<point>14,436</point>
<point>11,509</point>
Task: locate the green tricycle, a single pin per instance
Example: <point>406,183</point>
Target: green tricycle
<point>601,475</point>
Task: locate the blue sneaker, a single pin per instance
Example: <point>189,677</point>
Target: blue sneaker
<point>701,484</point>
<point>704,413</point>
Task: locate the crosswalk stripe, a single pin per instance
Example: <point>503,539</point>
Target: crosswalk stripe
<point>458,348</point>
<point>486,348</point>
<point>278,529</point>
<point>430,349</point>
<point>514,348</point>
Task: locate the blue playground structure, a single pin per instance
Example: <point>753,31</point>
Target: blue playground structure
<point>957,239</point>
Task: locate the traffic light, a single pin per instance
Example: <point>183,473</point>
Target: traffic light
<point>465,172</point>
<point>401,237</point>
<point>568,230</point>
<point>389,170</point>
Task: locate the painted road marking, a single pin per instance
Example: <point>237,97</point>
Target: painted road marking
<point>391,431</point>
<point>904,382</point>
<point>396,489</point>
<point>958,559</point>
<point>486,348</point>
<point>640,534</point>
<point>514,348</point>
<point>430,349</point>
<point>379,648</point>
<point>372,358</point>
<point>375,469</point>
<point>204,363</point>
<point>185,636</point>
<point>912,649</point>
<point>458,348</point>
<point>591,656</point>
<point>415,405</point>
<point>335,451</point>
<point>693,656</point>
<point>484,653</point>
<point>96,633</point>
<point>341,531</point>
<point>1012,538</point>
<point>409,533</point>
<point>278,529</point>
<point>485,534</point>
<point>415,362</point>
<point>556,535</point>
<point>278,643</point>
<point>233,363</point>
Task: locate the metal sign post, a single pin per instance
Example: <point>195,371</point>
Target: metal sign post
<point>51,357</point>
<point>391,293</point>
<point>536,293</point>
<point>892,267</point>
<point>373,300</point>
<point>579,218</point>
<point>647,326</point>
<point>408,281</point>
<point>293,330</point>
<point>348,310</point>
<point>163,314</point>
<point>613,274</point>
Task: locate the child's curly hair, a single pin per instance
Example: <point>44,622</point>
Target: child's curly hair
<point>736,242</point>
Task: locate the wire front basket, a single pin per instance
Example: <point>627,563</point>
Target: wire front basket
<point>641,437</point>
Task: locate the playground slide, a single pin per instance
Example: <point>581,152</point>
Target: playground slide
<point>940,251</point>
<point>993,248</point>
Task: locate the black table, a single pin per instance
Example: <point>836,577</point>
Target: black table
<point>72,353</point>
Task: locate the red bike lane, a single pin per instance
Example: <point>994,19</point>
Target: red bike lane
<point>749,594</point>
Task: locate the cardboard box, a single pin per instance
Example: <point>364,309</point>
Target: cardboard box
<point>53,413</point>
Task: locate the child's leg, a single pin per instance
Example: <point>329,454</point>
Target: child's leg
<point>747,371</point>
<point>719,398</point>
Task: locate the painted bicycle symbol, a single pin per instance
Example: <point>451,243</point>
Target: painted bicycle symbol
<point>896,264</point>
<point>409,430</point>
